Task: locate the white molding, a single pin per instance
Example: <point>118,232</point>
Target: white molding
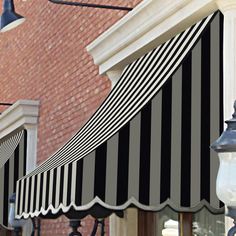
<point>148,25</point>
<point>228,8</point>
<point>23,113</point>
<point>226,5</point>
<point>114,75</point>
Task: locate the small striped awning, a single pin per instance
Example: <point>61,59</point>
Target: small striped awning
<point>12,167</point>
<point>8,146</point>
<point>148,143</point>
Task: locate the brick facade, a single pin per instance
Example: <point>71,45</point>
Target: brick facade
<point>45,59</point>
<point>60,227</point>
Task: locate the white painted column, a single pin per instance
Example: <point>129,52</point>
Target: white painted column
<point>31,157</point>
<point>31,160</point>
<point>126,226</point>
<point>228,8</point>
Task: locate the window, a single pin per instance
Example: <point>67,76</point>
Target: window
<point>171,223</point>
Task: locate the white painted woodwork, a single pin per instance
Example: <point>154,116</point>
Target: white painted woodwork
<point>148,25</point>
<point>114,75</point>
<point>228,8</point>
<point>23,113</point>
<point>126,226</point>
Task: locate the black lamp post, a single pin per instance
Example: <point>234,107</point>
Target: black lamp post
<point>16,224</point>
<point>95,227</point>
<point>9,18</point>
<point>225,146</point>
<point>92,5</point>
<point>74,224</point>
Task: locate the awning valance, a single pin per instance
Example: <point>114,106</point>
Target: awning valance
<point>148,143</point>
<point>12,167</point>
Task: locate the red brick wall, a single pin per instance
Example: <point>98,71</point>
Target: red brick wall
<point>60,227</point>
<point>45,59</point>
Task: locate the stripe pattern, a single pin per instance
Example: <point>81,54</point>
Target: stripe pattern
<point>13,169</point>
<point>8,146</point>
<point>142,145</point>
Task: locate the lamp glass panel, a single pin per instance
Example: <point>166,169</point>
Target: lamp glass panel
<point>11,219</point>
<point>226,179</point>
<point>207,224</point>
<point>11,216</point>
<point>167,222</point>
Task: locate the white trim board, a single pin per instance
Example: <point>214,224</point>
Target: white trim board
<point>148,25</point>
<point>23,113</point>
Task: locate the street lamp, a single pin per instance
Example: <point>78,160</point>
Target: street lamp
<point>75,224</point>
<point>9,18</point>
<point>16,224</point>
<point>225,146</point>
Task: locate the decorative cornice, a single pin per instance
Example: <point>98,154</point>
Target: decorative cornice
<point>148,25</point>
<point>226,5</point>
<point>21,114</point>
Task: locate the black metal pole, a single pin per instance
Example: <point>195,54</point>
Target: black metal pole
<point>102,227</point>
<point>74,224</point>
<point>95,227</point>
<point>36,226</point>
<point>5,104</point>
<point>80,4</point>
<point>17,231</point>
<point>39,226</point>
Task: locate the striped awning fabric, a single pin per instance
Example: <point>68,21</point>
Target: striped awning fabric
<point>13,167</point>
<point>148,143</point>
<point>8,146</point>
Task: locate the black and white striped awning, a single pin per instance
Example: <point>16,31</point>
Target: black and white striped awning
<point>8,146</point>
<point>148,144</point>
<point>12,167</point>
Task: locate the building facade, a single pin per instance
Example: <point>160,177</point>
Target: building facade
<point>46,60</point>
<point>147,145</point>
